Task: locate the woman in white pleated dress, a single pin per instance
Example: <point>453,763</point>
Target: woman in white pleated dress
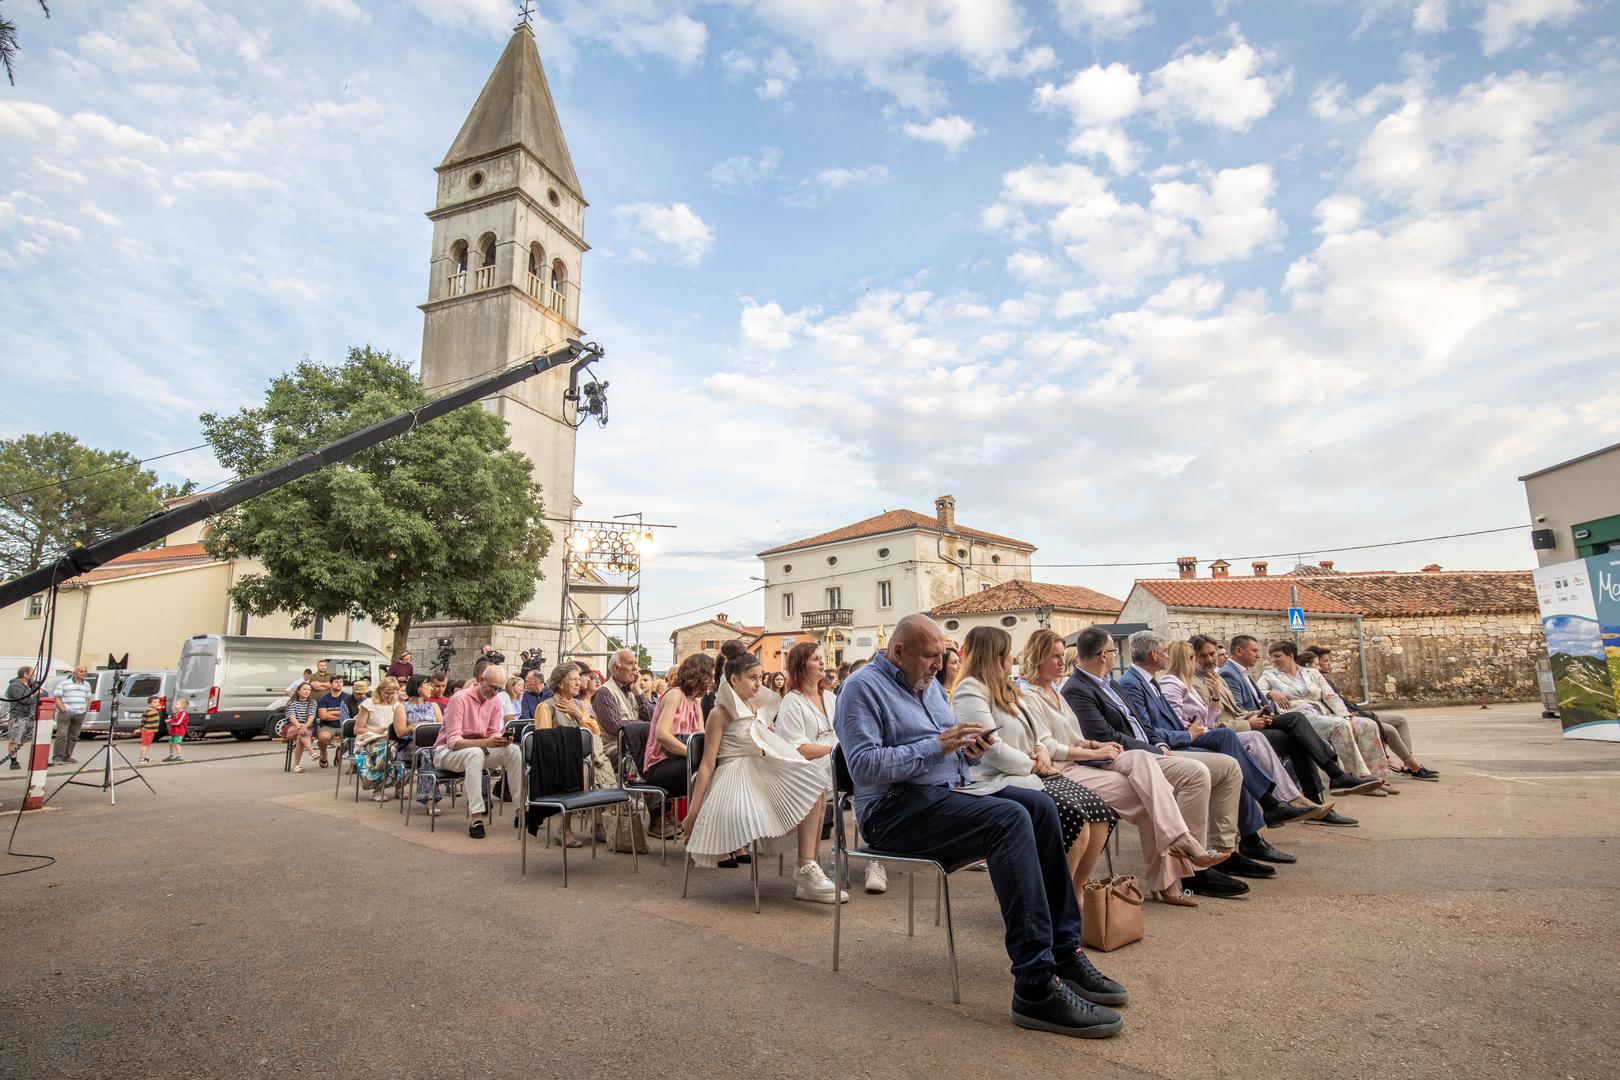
<point>754,788</point>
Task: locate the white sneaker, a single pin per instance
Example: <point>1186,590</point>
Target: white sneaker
<point>877,878</point>
<point>811,883</point>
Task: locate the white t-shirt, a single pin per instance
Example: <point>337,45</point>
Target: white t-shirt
<point>509,708</point>
<point>798,722</point>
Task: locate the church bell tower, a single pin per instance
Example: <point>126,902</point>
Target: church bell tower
<point>503,285</point>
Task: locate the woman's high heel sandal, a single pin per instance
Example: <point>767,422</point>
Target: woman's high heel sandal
<point>1179,898</point>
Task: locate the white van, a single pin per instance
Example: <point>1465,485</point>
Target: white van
<point>239,684</point>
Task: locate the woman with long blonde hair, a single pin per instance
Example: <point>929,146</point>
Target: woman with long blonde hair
<point>1129,781</point>
<point>986,694</point>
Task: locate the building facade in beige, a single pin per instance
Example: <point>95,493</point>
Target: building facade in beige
<point>848,586</point>
<point>1575,507</point>
<point>707,637</point>
<point>147,603</point>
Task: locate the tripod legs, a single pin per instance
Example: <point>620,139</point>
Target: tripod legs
<point>108,783</point>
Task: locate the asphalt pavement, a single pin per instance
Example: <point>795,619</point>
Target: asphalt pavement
<point>242,921</point>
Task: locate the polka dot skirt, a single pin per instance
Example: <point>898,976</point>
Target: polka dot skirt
<point>1077,804</point>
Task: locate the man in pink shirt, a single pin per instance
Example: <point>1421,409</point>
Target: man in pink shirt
<point>471,741</point>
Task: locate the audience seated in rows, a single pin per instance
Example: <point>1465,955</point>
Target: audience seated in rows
<point>1355,739</point>
<point>679,717</point>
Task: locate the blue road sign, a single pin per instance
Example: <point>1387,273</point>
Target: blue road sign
<point>1296,619</point>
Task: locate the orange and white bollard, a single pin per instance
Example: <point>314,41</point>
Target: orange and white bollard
<point>39,755</point>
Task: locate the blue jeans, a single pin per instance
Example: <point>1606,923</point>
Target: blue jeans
<point>1017,832</point>
<point>1256,784</point>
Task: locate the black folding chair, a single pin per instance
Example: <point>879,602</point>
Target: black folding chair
<point>694,760</point>
<point>633,737</point>
<point>589,797</point>
<point>423,739</point>
<point>345,748</point>
<point>844,787</point>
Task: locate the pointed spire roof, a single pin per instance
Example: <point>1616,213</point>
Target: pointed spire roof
<point>515,109</point>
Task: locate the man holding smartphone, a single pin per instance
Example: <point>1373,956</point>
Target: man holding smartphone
<point>907,756</point>
<point>471,741</point>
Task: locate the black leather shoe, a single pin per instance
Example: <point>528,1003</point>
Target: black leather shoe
<point>1416,774</point>
<point>1214,883</point>
<point>1255,847</point>
<point>476,830</point>
<point>1283,813</point>
<point>728,863</point>
<point>1084,979</point>
<point>1240,865</point>
<point>1336,818</point>
<point>1345,784</point>
<point>1064,1012</point>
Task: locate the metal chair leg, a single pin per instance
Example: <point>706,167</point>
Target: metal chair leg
<point>781,865</point>
<point>686,872</point>
<point>911,905</point>
<point>753,866</point>
<point>565,864</point>
<point>596,822</point>
<point>950,937</point>
<point>838,860</point>
<point>937,892</point>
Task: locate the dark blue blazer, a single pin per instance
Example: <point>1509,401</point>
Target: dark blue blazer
<point>1242,686</point>
<point>1152,711</point>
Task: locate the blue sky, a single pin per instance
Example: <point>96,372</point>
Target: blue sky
<point>1130,280</point>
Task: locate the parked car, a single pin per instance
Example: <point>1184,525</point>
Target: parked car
<point>239,684</point>
<point>132,689</point>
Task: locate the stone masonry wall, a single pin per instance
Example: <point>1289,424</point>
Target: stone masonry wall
<point>1410,660</point>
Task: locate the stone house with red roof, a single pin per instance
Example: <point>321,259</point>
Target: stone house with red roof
<point>707,636</point>
<point>1022,607</point>
<point>845,587</point>
<point>1431,636</point>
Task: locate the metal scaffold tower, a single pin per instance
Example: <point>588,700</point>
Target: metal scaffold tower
<point>601,586</point>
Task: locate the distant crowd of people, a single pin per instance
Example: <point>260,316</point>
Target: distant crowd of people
<point>957,752</point>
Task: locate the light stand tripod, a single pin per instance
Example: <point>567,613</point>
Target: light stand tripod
<point>108,783</point>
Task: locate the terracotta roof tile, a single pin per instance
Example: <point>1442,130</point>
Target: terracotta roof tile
<point>1435,592</point>
<point>887,522</point>
<point>1386,593</point>
<point>1027,596</point>
<point>174,557</point>
<point>1242,594</point>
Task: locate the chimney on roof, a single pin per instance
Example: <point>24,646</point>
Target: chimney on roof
<point>1188,566</point>
<point>1326,564</point>
<point>945,512</point>
<point>1219,568</point>
<point>1259,568</point>
<point>720,617</point>
<point>1431,568</point>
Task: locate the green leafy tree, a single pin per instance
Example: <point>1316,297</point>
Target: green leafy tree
<point>58,492</point>
<point>443,521</point>
<point>643,657</point>
<point>8,42</point>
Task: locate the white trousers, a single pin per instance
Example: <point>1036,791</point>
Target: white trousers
<point>469,760</point>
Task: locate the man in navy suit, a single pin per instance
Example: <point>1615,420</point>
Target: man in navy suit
<point>1259,806</point>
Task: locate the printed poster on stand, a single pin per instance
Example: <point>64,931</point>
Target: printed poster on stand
<point>1581,664</point>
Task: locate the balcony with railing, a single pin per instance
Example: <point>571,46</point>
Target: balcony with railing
<point>827,619</point>
<point>550,294</point>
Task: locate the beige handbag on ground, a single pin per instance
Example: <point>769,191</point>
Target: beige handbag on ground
<point>628,827</point>
<point>1111,913</point>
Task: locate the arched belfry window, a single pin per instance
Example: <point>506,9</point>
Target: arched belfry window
<point>485,276</point>
<point>537,272</point>
<point>557,296</point>
<point>457,283</point>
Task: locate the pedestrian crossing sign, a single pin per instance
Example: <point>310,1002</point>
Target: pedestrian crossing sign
<point>1296,619</point>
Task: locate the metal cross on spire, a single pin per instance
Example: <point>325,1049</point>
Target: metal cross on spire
<point>526,12</point>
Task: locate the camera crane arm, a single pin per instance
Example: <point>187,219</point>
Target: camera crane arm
<point>577,355</point>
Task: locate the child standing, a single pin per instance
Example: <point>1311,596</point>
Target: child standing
<point>151,719</point>
<point>177,728</point>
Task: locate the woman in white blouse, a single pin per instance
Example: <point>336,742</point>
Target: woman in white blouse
<point>1354,738</point>
<point>1129,781</point>
<point>804,719</point>
<point>986,695</point>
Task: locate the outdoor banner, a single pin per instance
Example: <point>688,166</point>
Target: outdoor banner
<point>1584,659</point>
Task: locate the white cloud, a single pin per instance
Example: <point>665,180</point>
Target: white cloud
<point>1102,18</point>
<point>743,171</point>
<point>666,232</point>
<point>1231,218</point>
<point>814,190</point>
<point>767,328</point>
<point>890,43</point>
<point>951,132</point>
<point>1226,90</point>
<point>1505,23</point>
<point>1111,143</point>
<point>1096,95</point>
<point>25,119</point>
